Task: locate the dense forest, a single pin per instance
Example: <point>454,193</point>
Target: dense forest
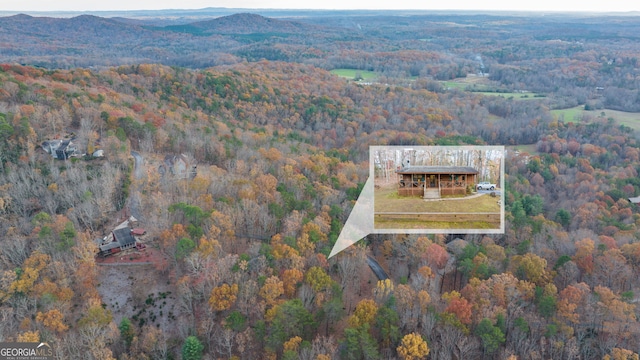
<point>237,252</point>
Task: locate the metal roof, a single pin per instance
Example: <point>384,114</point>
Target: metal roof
<point>437,170</point>
<point>123,236</point>
<point>138,232</point>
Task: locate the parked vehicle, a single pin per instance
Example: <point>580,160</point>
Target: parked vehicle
<point>485,185</point>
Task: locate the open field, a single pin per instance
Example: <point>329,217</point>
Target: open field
<point>399,212</point>
<point>530,148</point>
<point>437,221</point>
<point>454,85</point>
<point>481,85</point>
<point>570,114</point>
<point>351,74</point>
<point>387,200</point>
<point>470,80</point>
<point>630,119</point>
<point>514,95</point>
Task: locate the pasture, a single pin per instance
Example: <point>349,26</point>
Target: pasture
<point>578,113</point>
<point>351,74</point>
<point>482,85</point>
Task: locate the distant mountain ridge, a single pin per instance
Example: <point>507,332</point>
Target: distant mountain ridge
<point>243,23</point>
<point>79,27</point>
<point>246,23</point>
<point>338,39</point>
<point>88,40</point>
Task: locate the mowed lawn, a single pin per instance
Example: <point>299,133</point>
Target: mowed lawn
<point>387,200</point>
<point>399,212</point>
<point>630,119</point>
<point>351,73</point>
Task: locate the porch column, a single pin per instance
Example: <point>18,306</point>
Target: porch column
<point>424,187</point>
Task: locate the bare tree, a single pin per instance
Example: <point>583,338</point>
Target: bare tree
<point>224,342</point>
<point>13,253</point>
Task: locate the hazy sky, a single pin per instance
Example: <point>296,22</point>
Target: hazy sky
<point>538,5</point>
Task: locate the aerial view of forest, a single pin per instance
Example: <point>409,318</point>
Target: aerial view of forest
<point>172,184</point>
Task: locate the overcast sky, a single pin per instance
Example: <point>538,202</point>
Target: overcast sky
<point>538,5</point>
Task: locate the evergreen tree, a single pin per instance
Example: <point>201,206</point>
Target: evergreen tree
<point>126,331</point>
<point>192,349</point>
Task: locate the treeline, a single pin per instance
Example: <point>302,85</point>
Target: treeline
<point>541,55</point>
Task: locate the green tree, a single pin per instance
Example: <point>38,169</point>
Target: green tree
<point>492,337</point>
<point>6,130</point>
<point>67,235</point>
<point>236,321</point>
<point>192,349</point>
<point>532,204</point>
<point>518,213</point>
<point>534,165</point>
<point>354,192</point>
<point>387,322</point>
<point>192,213</point>
<point>7,152</point>
<point>563,217</point>
<point>547,305</point>
<point>291,319</point>
<point>184,247</point>
<point>359,344</point>
<point>126,331</point>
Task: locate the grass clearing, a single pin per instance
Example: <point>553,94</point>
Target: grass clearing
<point>454,85</point>
<point>530,149</point>
<point>474,83</point>
<point>388,200</point>
<point>578,113</point>
<point>353,73</point>
<point>435,225</point>
<point>570,114</point>
<point>514,95</point>
<point>408,212</point>
<point>482,85</point>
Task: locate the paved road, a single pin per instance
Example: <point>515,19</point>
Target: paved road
<point>377,269</point>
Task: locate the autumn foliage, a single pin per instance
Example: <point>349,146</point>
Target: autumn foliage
<point>237,263</point>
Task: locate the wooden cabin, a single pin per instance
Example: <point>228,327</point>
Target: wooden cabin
<point>435,181</point>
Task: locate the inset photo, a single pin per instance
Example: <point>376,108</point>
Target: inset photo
<point>435,189</point>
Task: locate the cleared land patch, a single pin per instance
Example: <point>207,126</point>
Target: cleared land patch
<point>530,148</point>
<point>514,95</point>
<point>482,85</point>
<point>354,74</point>
<point>388,200</point>
<point>437,221</point>
<point>578,113</point>
<point>392,211</point>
